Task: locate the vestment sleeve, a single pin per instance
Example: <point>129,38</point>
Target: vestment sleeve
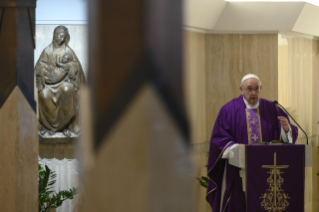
<point>286,137</point>
<point>294,129</point>
<point>221,139</point>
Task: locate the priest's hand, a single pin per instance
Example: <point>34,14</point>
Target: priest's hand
<point>284,123</point>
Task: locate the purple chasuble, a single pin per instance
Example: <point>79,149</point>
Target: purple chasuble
<point>231,127</point>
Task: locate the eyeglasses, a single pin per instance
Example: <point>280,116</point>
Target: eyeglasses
<point>249,90</point>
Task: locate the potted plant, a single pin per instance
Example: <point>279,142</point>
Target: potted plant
<point>48,198</point>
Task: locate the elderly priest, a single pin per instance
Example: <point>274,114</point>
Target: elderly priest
<point>247,119</point>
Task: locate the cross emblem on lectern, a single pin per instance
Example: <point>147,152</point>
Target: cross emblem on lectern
<point>275,190</point>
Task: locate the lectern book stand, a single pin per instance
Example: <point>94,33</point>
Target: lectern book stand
<point>273,176</point>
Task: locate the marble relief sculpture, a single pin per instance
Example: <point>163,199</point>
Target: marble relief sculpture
<point>59,75</point>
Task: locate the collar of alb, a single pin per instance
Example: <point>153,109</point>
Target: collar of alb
<point>248,106</point>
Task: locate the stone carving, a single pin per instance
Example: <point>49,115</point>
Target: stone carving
<point>59,75</point>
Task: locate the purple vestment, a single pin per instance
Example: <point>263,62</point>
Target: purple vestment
<point>230,128</point>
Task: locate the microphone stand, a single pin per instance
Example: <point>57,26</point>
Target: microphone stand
<point>276,103</point>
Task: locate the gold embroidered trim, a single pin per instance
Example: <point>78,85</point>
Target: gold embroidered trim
<point>228,200</point>
<point>261,135</point>
<point>247,121</point>
<point>248,126</point>
<point>214,166</point>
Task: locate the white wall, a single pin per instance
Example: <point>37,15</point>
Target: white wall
<point>61,12</point>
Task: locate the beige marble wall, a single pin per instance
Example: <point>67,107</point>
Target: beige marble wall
<point>228,58</point>
<point>315,108</point>
<point>298,92</point>
<point>296,85</point>
<point>195,87</point>
<point>78,41</point>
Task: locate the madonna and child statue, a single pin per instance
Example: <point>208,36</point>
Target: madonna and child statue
<point>59,76</point>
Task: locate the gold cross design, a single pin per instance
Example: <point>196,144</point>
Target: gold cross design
<point>275,167</point>
<point>254,121</point>
<point>255,137</point>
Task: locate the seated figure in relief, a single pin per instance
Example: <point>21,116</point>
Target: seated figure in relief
<point>66,65</point>
<point>58,83</point>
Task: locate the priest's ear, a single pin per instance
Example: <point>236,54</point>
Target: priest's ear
<point>241,89</point>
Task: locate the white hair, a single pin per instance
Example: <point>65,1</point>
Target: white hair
<point>250,76</point>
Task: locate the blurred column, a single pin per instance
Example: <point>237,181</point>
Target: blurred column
<point>18,121</point>
<point>140,158</point>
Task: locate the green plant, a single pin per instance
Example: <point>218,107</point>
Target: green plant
<point>203,180</point>
<point>49,199</point>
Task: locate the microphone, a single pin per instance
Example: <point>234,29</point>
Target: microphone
<point>276,103</point>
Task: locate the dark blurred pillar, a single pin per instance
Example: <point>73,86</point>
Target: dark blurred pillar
<point>141,160</point>
<point>18,121</point>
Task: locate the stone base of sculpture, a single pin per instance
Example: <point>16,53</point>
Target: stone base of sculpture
<point>59,151</point>
<point>57,138</point>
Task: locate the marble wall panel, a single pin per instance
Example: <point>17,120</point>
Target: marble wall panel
<point>195,88</point>
<point>315,83</point>
<point>296,83</point>
<point>194,81</point>
<point>231,56</point>
<point>315,108</point>
<point>283,72</point>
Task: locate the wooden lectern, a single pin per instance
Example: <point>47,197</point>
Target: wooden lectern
<point>273,176</point>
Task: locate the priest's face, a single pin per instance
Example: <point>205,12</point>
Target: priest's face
<point>251,90</point>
